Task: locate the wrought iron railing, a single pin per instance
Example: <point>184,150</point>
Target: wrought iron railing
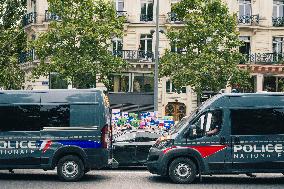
<point>134,55</point>
<point>173,17</point>
<point>278,21</point>
<point>27,56</point>
<point>264,58</point>
<point>121,13</point>
<point>146,17</point>
<point>29,18</point>
<point>249,19</point>
<point>51,16</point>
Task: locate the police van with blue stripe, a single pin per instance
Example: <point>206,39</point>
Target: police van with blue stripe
<point>64,129</point>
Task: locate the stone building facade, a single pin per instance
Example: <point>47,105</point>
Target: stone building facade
<point>261,27</point>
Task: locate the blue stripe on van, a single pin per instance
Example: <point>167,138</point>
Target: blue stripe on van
<point>81,143</point>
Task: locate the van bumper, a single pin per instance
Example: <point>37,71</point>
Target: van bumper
<point>156,163</point>
<point>99,159</point>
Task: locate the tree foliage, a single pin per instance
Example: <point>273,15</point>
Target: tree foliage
<point>12,43</point>
<point>78,44</point>
<point>208,44</point>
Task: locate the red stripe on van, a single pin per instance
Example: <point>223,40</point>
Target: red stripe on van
<point>207,151</point>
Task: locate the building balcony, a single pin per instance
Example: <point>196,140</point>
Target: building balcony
<point>248,20</point>
<point>128,55</point>
<point>135,55</point>
<point>264,58</point>
<point>51,16</point>
<point>121,13</point>
<point>29,18</point>
<point>278,21</point>
<point>146,18</point>
<point>173,18</point>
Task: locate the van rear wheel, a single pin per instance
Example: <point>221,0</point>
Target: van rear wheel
<point>182,171</point>
<point>70,168</point>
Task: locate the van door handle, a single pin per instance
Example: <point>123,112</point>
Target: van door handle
<point>222,141</point>
<point>237,141</point>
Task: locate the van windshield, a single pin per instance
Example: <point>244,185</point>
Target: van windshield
<point>183,122</point>
<point>208,102</point>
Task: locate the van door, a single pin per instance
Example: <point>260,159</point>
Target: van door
<point>19,135</point>
<point>212,140</point>
<point>257,139</point>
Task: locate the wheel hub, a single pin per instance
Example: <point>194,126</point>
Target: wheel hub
<point>70,169</point>
<point>183,170</point>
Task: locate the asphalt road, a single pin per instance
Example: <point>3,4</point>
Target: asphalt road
<point>134,179</point>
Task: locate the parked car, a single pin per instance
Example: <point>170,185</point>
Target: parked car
<point>131,148</point>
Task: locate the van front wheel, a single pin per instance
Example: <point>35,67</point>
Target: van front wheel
<point>70,168</point>
<point>182,171</point>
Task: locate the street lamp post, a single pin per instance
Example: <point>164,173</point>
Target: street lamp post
<point>156,76</point>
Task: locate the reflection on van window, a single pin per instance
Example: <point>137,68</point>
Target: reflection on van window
<point>55,116</point>
<point>33,117</point>
<point>20,118</point>
<point>257,121</point>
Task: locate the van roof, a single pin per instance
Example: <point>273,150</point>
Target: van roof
<point>51,96</point>
<point>258,94</point>
<point>239,100</point>
<point>48,91</point>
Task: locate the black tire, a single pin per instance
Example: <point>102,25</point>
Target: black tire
<point>70,168</point>
<point>182,171</point>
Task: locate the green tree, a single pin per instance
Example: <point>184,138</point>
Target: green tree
<point>77,46</point>
<point>12,43</point>
<point>208,47</point>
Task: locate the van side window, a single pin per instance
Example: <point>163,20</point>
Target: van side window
<point>209,124</point>
<point>33,117</point>
<point>55,115</point>
<point>20,118</point>
<point>266,121</point>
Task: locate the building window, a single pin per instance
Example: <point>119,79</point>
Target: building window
<point>278,45</point>
<point>117,47</point>
<point>176,48</point>
<point>120,83</point>
<point>278,9</point>
<point>33,5</point>
<point>245,7</point>
<point>172,15</point>
<point>132,82</point>
<point>269,84</point>
<point>119,5</point>
<point>278,13</point>
<point>145,48</point>
<point>146,10</point>
<point>143,82</point>
<point>170,88</point>
<point>245,15</point>
<point>245,48</point>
